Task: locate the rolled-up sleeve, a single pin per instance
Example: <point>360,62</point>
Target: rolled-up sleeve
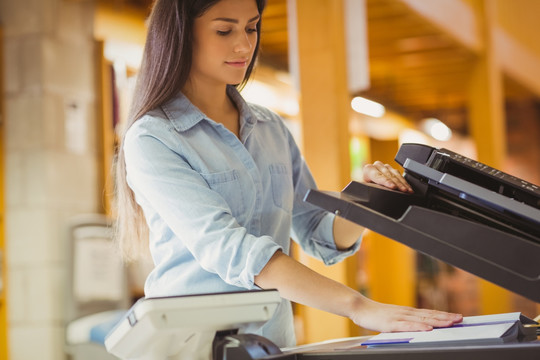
<point>313,226</point>
<point>201,220</point>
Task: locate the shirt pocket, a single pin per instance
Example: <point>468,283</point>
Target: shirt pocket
<point>282,187</point>
<point>227,184</point>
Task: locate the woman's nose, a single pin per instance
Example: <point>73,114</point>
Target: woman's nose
<point>244,43</point>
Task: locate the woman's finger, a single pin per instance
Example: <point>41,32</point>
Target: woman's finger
<point>431,318</point>
<point>386,175</point>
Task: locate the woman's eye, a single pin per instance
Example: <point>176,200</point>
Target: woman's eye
<point>251,30</point>
<point>223,33</point>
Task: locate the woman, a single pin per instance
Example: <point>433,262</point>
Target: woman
<point>216,184</point>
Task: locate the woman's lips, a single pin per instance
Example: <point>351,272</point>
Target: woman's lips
<point>237,63</point>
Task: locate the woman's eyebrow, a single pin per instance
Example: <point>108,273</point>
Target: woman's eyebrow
<point>235,21</point>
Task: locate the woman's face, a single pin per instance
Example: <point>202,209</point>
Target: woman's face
<point>224,39</point>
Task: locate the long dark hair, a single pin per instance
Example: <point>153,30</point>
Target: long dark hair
<point>165,68</point>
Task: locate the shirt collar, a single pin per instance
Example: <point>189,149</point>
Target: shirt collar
<point>184,115</point>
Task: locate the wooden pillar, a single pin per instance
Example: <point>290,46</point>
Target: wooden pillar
<point>105,128</point>
<point>487,126</point>
<point>325,101</point>
<point>390,266</point>
<point>486,107</point>
<point>3,261</point>
<point>325,110</point>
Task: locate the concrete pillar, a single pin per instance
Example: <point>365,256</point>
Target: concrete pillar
<point>51,171</point>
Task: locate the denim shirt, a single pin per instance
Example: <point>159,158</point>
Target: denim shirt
<point>218,206</point>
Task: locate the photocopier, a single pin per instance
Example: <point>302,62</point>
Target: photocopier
<point>462,212</point>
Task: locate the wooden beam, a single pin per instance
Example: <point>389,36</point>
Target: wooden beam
<point>386,9</point>
<point>390,266</point>
<point>488,129</point>
<point>517,61</point>
<point>125,24</point>
<point>105,128</point>
<point>443,13</point>
<point>3,254</point>
<point>325,110</point>
<point>325,101</point>
<point>274,23</point>
<point>274,36</point>
<point>275,8</point>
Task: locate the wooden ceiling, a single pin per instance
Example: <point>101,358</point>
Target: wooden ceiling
<point>274,35</point>
<point>416,69</point>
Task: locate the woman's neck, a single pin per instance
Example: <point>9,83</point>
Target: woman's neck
<point>213,102</point>
<point>209,99</point>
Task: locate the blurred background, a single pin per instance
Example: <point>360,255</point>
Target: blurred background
<point>353,79</point>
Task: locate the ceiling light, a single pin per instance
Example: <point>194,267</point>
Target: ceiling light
<point>367,107</point>
<point>436,129</point>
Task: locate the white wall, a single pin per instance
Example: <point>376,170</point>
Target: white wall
<point>51,160</point>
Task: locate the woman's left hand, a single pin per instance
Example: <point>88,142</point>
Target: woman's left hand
<point>385,175</point>
<point>381,317</point>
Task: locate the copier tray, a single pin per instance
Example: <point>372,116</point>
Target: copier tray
<point>508,258</point>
